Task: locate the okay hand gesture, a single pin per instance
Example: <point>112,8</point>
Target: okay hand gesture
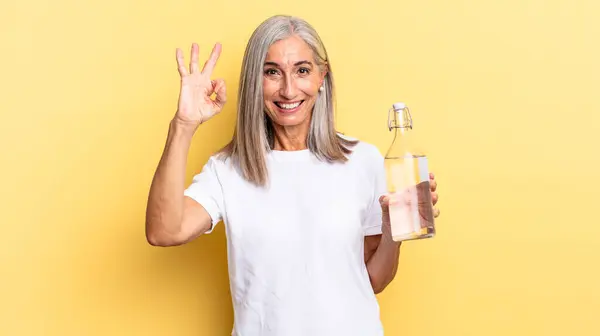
<point>195,104</point>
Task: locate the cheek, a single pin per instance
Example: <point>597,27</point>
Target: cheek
<point>269,88</point>
<point>309,87</point>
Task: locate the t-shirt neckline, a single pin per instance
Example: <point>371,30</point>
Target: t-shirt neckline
<point>291,155</point>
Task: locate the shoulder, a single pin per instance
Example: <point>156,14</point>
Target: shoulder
<point>368,162</point>
<point>217,164</point>
<point>363,151</point>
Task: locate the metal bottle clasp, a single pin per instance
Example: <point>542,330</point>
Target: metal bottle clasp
<point>390,126</point>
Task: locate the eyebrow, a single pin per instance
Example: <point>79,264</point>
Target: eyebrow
<point>295,64</point>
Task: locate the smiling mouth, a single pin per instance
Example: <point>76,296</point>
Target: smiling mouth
<point>289,106</point>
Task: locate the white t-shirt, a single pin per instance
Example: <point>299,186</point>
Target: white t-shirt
<point>296,249</point>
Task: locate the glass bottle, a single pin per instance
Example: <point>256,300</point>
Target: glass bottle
<point>407,172</point>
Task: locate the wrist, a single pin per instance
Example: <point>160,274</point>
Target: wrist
<point>182,127</point>
<point>388,242</point>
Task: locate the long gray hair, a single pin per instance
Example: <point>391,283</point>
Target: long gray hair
<point>253,137</point>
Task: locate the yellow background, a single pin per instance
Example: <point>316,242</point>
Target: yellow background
<point>504,95</point>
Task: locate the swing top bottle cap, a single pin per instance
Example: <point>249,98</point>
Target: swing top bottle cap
<point>399,106</point>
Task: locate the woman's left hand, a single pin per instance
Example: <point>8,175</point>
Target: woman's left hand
<point>434,195</point>
<point>385,200</point>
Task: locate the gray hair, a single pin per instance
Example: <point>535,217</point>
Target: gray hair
<point>253,137</point>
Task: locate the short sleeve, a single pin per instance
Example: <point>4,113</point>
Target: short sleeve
<point>378,186</point>
<point>206,189</point>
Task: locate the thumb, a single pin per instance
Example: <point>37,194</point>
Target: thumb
<point>221,93</point>
<point>385,201</point>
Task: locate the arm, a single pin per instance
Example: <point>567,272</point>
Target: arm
<point>172,218</point>
<point>382,254</point>
<point>381,257</point>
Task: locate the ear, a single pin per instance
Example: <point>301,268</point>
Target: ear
<point>324,71</point>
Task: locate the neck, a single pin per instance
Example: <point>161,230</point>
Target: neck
<point>290,138</point>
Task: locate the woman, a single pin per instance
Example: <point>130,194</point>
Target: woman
<point>308,234</point>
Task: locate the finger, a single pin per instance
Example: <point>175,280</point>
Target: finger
<point>394,199</point>
<point>431,176</point>
<point>433,185</point>
<point>436,212</point>
<point>180,66</point>
<point>385,199</point>
<point>194,67</point>
<point>211,90</point>
<point>221,92</point>
<point>209,66</point>
<point>434,198</point>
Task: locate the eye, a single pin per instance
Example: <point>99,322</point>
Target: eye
<point>271,72</point>
<point>304,71</point>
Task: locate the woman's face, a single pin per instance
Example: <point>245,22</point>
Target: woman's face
<point>291,82</point>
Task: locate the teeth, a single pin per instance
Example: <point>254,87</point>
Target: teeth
<point>289,106</point>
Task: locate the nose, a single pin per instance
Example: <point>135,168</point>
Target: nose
<point>288,88</point>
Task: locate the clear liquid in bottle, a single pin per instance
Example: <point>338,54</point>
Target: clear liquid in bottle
<point>407,169</point>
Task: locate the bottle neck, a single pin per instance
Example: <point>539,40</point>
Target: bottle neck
<point>402,120</point>
<point>401,125</point>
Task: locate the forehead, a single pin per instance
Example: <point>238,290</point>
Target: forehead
<point>290,50</point>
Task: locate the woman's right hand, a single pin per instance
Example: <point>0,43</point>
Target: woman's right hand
<point>195,104</point>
